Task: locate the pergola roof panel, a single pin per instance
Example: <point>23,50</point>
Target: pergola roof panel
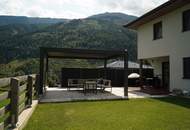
<point>81,53</point>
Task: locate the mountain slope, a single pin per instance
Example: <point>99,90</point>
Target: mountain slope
<point>85,33</point>
<point>18,25</point>
<point>11,30</point>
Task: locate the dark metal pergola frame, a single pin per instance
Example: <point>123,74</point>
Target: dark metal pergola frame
<point>69,53</point>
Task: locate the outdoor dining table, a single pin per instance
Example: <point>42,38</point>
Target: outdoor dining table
<point>90,86</point>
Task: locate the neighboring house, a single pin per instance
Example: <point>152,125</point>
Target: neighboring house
<point>164,41</point>
<point>131,65</point>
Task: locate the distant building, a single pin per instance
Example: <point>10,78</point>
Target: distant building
<point>131,65</point>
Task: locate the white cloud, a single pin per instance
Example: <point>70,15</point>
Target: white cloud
<point>134,7</point>
<point>75,8</point>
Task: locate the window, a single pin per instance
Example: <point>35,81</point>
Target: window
<point>186,20</point>
<point>157,30</point>
<point>186,68</point>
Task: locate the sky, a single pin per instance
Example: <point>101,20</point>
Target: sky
<point>75,8</point>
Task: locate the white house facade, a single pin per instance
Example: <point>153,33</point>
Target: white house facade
<point>164,41</point>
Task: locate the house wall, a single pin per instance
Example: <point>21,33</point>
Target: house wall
<point>157,65</point>
<point>174,44</point>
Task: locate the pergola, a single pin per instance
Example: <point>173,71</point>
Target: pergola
<point>69,53</point>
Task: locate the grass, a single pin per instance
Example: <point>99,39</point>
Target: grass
<point>2,104</point>
<point>170,113</point>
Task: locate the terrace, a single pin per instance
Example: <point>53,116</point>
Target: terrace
<point>84,84</point>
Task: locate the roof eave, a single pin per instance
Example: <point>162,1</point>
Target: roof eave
<point>157,12</point>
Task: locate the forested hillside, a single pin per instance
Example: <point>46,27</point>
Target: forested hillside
<point>19,43</point>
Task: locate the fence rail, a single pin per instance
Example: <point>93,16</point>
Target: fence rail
<point>13,101</point>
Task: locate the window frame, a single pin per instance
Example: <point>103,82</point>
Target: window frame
<point>184,26</point>
<point>185,74</point>
<point>156,27</point>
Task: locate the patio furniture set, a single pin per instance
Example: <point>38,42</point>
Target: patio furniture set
<point>89,85</point>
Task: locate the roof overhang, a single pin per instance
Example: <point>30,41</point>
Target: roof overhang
<point>81,53</point>
<point>163,9</point>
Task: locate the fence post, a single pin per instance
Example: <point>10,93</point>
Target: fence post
<point>29,91</point>
<point>14,101</point>
<point>37,84</point>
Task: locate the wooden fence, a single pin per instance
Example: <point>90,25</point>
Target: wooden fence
<point>18,96</point>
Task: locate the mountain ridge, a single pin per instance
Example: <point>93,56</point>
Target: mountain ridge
<point>6,20</point>
<point>108,16</point>
<point>117,17</point>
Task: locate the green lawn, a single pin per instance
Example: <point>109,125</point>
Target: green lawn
<point>135,114</point>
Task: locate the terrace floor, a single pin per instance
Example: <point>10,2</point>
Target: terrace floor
<point>63,95</point>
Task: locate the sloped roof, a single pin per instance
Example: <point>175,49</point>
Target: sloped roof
<point>120,64</point>
<point>163,9</point>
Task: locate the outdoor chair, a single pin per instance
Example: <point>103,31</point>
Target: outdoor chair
<point>90,85</point>
<point>75,83</point>
<point>103,84</point>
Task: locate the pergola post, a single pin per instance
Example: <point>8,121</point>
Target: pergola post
<point>47,69</point>
<point>47,61</point>
<point>126,73</point>
<point>105,68</point>
<point>41,72</point>
<point>141,73</point>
